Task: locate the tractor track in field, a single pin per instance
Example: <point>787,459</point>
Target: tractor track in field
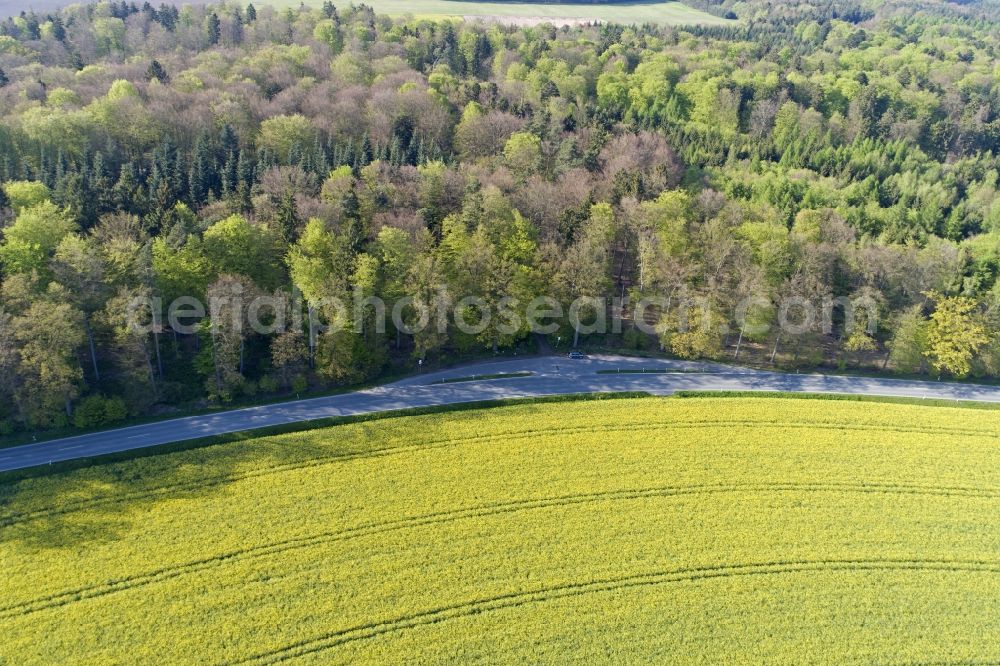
<point>433,616</point>
<point>12,519</point>
<point>65,597</point>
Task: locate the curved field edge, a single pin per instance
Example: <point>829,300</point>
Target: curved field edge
<point>216,463</point>
<point>67,505</point>
<point>304,426</point>
<point>594,497</point>
<point>842,397</point>
<point>299,426</point>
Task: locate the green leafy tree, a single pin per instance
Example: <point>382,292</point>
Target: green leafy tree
<point>26,194</point>
<point>78,266</point>
<point>430,305</point>
<point>180,272</point>
<point>33,237</point>
<point>289,355</point>
<point>133,349</point>
<point>693,331</point>
<point>523,153</point>
<point>908,345</point>
<point>236,246</point>
<point>228,325</point>
<point>318,263</point>
<point>109,34</point>
<point>329,33</point>
<point>283,134</point>
<point>955,334</point>
<point>397,254</point>
<point>48,335</point>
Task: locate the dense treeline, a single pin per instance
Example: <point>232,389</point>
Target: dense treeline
<point>825,151</point>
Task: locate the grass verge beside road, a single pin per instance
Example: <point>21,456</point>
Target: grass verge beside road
<point>479,378</point>
<point>300,426</point>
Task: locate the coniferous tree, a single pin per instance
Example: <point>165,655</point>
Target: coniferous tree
<point>167,176</point>
<point>318,158</point>
<point>31,25</point>
<point>70,193</point>
<point>244,180</point>
<point>412,155</point>
<point>229,142</point>
<point>58,29</point>
<point>365,154</point>
<point>100,186</point>
<point>236,29</point>
<point>156,71</point>
<point>213,28</point>
<point>127,192</point>
<point>167,16</point>
<point>251,13</point>
<point>295,155</point>
<point>48,170</point>
<point>395,152</point>
<point>228,157</point>
<point>347,155</point>
<point>200,176</point>
<point>287,215</point>
<point>354,231</point>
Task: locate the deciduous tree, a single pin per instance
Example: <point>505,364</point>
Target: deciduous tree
<point>955,334</point>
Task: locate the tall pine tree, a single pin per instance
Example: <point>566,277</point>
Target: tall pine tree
<point>200,178</point>
<point>213,27</point>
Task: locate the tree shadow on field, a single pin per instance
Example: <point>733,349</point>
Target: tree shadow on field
<point>106,501</point>
<point>99,504</point>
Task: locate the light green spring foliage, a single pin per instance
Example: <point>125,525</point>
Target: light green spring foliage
<point>281,134</point>
<point>523,153</point>
<point>26,194</point>
<point>33,237</point>
<point>955,334</point>
<point>718,530</point>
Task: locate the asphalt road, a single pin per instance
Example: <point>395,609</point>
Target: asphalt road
<point>550,376</point>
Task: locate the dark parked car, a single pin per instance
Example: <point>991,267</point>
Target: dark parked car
<point>576,355</point>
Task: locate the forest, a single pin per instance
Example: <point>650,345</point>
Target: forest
<point>809,151</point>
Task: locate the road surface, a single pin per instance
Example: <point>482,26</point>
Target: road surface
<point>550,376</point>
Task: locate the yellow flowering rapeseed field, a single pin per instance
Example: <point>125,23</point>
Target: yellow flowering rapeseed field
<point>643,530</point>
